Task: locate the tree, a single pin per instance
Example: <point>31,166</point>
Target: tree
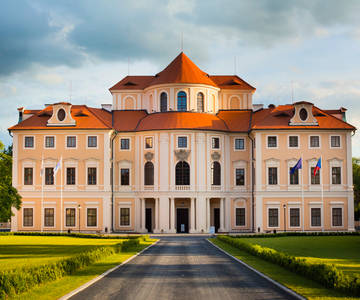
<point>356,182</point>
<point>9,196</point>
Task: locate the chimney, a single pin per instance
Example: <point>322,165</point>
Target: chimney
<point>21,112</point>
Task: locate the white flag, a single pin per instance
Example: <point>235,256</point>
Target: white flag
<point>57,167</point>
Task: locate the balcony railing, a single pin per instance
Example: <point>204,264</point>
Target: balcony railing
<point>182,187</point>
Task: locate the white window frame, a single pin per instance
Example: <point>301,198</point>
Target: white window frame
<point>335,162</point>
<point>153,142</point>
<point>215,137</point>
<point>167,100</point>
<point>22,219</point>
<point>28,164</point>
<point>49,164</point>
<point>125,138</point>
<point>277,141</point>
<point>130,219</point>
<point>288,141</point>
<point>272,163</point>
<point>313,205</point>
<point>76,216</point>
<point>92,164</point>
<point>342,214</point>
<point>309,141</point>
<point>240,164</point>
<point>268,217</point>
<point>53,207</point>
<point>291,163</point>
<point>34,141</point>
<point>239,137</point>
<point>312,164</point>
<point>125,164</point>
<point>187,141</point>
<point>187,100</point>
<point>76,142</point>
<point>87,142</point>
<point>97,217</point>
<point>240,226</point>
<point>70,163</point>
<point>50,148</point>
<point>289,206</point>
<point>331,147</point>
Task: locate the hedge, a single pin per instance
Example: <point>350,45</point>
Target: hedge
<point>325,274</point>
<point>295,233</point>
<point>78,235</point>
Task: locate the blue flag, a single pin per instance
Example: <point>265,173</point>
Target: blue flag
<point>296,167</point>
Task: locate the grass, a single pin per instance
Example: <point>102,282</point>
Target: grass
<point>303,286</point>
<point>342,251</point>
<point>58,288</point>
<point>18,251</point>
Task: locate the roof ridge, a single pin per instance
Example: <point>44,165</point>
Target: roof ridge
<point>90,109</point>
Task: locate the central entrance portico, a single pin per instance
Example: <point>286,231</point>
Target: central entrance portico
<point>182,220</point>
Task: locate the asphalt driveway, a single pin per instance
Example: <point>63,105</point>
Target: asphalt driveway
<point>182,268</point>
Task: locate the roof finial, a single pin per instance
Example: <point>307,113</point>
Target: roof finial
<point>182,41</point>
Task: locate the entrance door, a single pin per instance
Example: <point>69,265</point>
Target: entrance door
<point>182,220</point>
<point>216,219</point>
<point>148,221</point>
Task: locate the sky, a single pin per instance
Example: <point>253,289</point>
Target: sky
<point>67,50</point>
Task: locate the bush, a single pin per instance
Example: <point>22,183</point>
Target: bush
<point>20,280</point>
<point>130,245</point>
<point>78,235</point>
<point>325,274</point>
<point>295,233</point>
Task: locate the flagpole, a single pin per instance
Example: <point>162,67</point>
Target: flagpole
<point>322,197</point>
<point>42,193</point>
<point>61,196</point>
<point>302,196</point>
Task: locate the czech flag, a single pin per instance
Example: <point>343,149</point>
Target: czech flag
<point>317,167</point>
<point>296,167</point>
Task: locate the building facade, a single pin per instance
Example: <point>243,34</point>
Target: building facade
<point>182,151</point>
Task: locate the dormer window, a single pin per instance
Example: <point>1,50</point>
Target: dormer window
<point>303,114</point>
<point>61,114</point>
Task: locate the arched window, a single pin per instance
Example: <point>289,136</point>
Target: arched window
<point>216,173</point>
<point>181,101</point>
<point>149,173</point>
<point>182,173</point>
<point>163,102</point>
<point>200,102</point>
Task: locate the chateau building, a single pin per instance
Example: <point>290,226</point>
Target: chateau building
<point>183,151</point>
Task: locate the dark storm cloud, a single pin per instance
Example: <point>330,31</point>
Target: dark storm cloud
<point>68,32</point>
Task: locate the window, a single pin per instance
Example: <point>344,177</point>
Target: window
<point>315,179</point>
<point>91,217</point>
<point>125,177</point>
<point>70,176</point>
<point>293,141</point>
<point>28,217</point>
<point>181,101</point>
<point>49,217</point>
<point>92,176</point>
<point>294,217</point>
<point>163,102</point>
<point>294,178</point>
<point>337,216</point>
<point>49,176</point>
<point>335,141</point>
<point>61,115</point>
<point>71,141</point>
<point>303,114</point>
<point>124,216</point>
<point>216,173</point>
<point>28,176</point>
<point>215,143</point>
<point>240,176</point>
<point>182,142</point>
<point>148,143</point>
<point>314,141</point>
<point>239,144</point>
<point>29,142</point>
<point>272,141</point>
<point>315,217</point>
<point>70,217</point>
<point>336,175</point>
<point>273,217</point>
<point>149,173</point>
<point>240,216</point>
<point>200,102</point>
<point>49,142</point>
<point>182,171</point>
<point>272,175</point>
<point>124,144</point>
<point>92,141</point>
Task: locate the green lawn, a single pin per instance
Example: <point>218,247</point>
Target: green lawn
<point>342,251</point>
<point>17,251</point>
<point>303,286</point>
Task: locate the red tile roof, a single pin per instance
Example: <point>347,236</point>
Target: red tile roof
<point>236,120</point>
<point>182,70</point>
<point>127,120</point>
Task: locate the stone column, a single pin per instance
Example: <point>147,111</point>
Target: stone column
<point>156,221</point>
<point>192,215</point>
<point>163,215</point>
<point>222,211</point>
<point>172,216</point>
<point>208,222</point>
<point>143,229</point>
<point>201,214</point>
